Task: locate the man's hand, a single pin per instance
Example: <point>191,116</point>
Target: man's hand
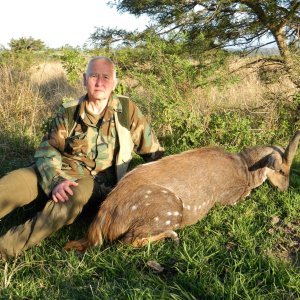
<point>62,191</point>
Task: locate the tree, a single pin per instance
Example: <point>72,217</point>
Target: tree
<point>243,23</point>
<point>26,44</point>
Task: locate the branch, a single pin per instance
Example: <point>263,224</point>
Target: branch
<point>293,10</point>
<point>257,9</point>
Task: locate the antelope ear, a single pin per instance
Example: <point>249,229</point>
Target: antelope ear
<point>274,161</point>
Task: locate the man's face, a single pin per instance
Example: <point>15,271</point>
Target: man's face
<point>99,80</point>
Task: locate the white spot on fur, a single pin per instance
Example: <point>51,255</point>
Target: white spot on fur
<point>165,192</point>
<point>168,222</point>
<point>148,192</point>
<point>134,207</point>
<point>176,225</point>
<point>156,219</point>
<point>176,213</point>
<point>147,204</point>
<point>188,207</point>
<point>199,207</point>
<point>169,213</point>
<point>146,196</point>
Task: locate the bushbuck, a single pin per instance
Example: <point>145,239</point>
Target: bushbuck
<point>155,199</point>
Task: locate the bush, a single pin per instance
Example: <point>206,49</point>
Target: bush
<point>26,44</point>
<point>74,63</point>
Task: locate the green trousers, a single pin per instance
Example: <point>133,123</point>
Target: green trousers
<point>19,188</point>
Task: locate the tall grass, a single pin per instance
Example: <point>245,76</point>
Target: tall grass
<point>21,113</point>
<point>28,96</point>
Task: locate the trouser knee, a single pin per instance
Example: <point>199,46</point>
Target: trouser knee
<point>81,195</point>
<point>17,188</point>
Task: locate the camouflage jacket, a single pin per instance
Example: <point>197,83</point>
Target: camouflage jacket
<point>78,144</point>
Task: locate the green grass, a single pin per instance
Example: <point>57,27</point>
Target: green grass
<point>246,251</point>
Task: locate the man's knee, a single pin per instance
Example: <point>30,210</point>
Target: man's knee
<point>81,195</point>
<point>17,188</point>
<point>84,190</point>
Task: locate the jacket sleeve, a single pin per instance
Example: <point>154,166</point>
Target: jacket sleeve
<point>145,141</point>
<point>48,156</point>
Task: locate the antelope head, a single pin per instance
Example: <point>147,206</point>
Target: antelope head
<point>280,162</point>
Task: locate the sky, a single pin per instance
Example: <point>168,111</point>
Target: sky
<point>61,22</point>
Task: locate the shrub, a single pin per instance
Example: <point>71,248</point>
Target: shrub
<point>74,63</point>
<point>26,44</point>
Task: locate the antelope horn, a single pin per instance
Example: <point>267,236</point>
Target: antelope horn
<point>292,148</point>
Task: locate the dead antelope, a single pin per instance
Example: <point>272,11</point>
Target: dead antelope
<point>155,199</point>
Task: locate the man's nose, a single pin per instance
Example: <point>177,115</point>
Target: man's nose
<point>99,81</point>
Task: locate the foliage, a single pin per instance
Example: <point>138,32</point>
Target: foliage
<point>74,63</point>
<point>23,59</point>
<point>106,37</point>
<point>239,22</point>
<point>26,44</point>
<point>231,129</point>
<point>209,24</point>
<point>166,82</point>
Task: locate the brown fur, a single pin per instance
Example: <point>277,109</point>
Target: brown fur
<point>155,199</point>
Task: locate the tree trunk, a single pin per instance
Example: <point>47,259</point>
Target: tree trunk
<point>277,29</point>
<point>286,55</point>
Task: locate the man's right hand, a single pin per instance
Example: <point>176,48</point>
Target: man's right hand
<point>62,191</point>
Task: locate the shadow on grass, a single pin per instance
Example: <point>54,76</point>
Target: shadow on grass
<point>15,152</point>
<point>295,174</point>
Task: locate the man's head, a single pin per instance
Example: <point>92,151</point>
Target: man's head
<point>100,78</point>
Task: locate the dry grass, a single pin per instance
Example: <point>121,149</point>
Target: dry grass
<point>27,97</point>
<point>20,104</point>
<point>255,86</point>
<point>50,80</point>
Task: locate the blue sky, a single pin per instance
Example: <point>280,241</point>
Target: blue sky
<point>61,22</point>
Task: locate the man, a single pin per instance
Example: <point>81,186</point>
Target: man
<point>86,151</point>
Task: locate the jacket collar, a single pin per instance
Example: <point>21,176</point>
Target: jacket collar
<point>113,105</point>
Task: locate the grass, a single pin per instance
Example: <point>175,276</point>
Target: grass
<point>247,251</point>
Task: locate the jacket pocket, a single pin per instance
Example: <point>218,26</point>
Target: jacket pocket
<point>77,144</point>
